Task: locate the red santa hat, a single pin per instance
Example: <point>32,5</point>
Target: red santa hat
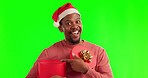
<point>62,12</point>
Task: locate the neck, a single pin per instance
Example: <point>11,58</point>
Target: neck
<point>70,43</point>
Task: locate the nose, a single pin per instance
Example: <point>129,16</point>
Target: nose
<point>74,28</point>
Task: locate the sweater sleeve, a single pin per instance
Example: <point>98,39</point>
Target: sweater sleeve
<point>102,69</point>
<point>33,71</point>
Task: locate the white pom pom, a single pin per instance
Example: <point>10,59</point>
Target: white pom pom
<point>56,24</point>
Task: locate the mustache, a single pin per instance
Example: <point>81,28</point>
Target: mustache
<point>75,29</point>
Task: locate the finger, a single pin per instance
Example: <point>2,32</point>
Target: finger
<point>56,76</point>
<point>75,57</point>
<point>67,60</point>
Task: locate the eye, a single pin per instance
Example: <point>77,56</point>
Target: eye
<point>68,23</point>
<point>78,22</point>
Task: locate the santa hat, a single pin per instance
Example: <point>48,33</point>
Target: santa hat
<point>62,12</point>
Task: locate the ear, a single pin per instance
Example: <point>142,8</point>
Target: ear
<point>61,28</point>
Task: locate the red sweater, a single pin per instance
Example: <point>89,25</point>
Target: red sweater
<point>61,50</point>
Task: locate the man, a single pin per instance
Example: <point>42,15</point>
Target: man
<point>68,20</point>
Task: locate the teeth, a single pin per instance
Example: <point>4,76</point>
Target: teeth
<point>76,32</point>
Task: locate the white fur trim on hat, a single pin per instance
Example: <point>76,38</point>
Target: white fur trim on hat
<point>65,13</point>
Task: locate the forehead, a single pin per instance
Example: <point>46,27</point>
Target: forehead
<point>71,17</point>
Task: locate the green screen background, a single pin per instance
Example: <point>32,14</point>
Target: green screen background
<point>120,26</point>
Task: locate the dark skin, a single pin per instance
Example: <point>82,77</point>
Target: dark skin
<point>70,24</point>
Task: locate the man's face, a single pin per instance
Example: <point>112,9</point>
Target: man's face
<point>72,28</point>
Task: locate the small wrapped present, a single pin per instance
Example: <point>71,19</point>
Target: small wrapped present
<point>84,54</point>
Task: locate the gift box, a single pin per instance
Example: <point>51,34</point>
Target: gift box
<point>78,51</point>
<point>49,68</point>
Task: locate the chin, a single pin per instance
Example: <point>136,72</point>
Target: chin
<point>75,41</point>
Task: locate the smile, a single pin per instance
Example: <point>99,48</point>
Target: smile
<point>76,32</point>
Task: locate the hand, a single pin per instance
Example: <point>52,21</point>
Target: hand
<point>77,64</point>
<point>56,76</point>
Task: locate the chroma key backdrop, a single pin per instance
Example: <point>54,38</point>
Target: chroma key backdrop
<point>119,26</point>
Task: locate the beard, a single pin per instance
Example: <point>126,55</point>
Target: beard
<point>73,36</point>
<point>74,41</point>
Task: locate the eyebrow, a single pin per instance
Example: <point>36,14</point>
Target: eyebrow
<point>69,20</point>
<point>78,18</point>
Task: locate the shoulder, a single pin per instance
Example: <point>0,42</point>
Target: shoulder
<point>92,45</point>
<point>97,49</point>
<point>55,46</point>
